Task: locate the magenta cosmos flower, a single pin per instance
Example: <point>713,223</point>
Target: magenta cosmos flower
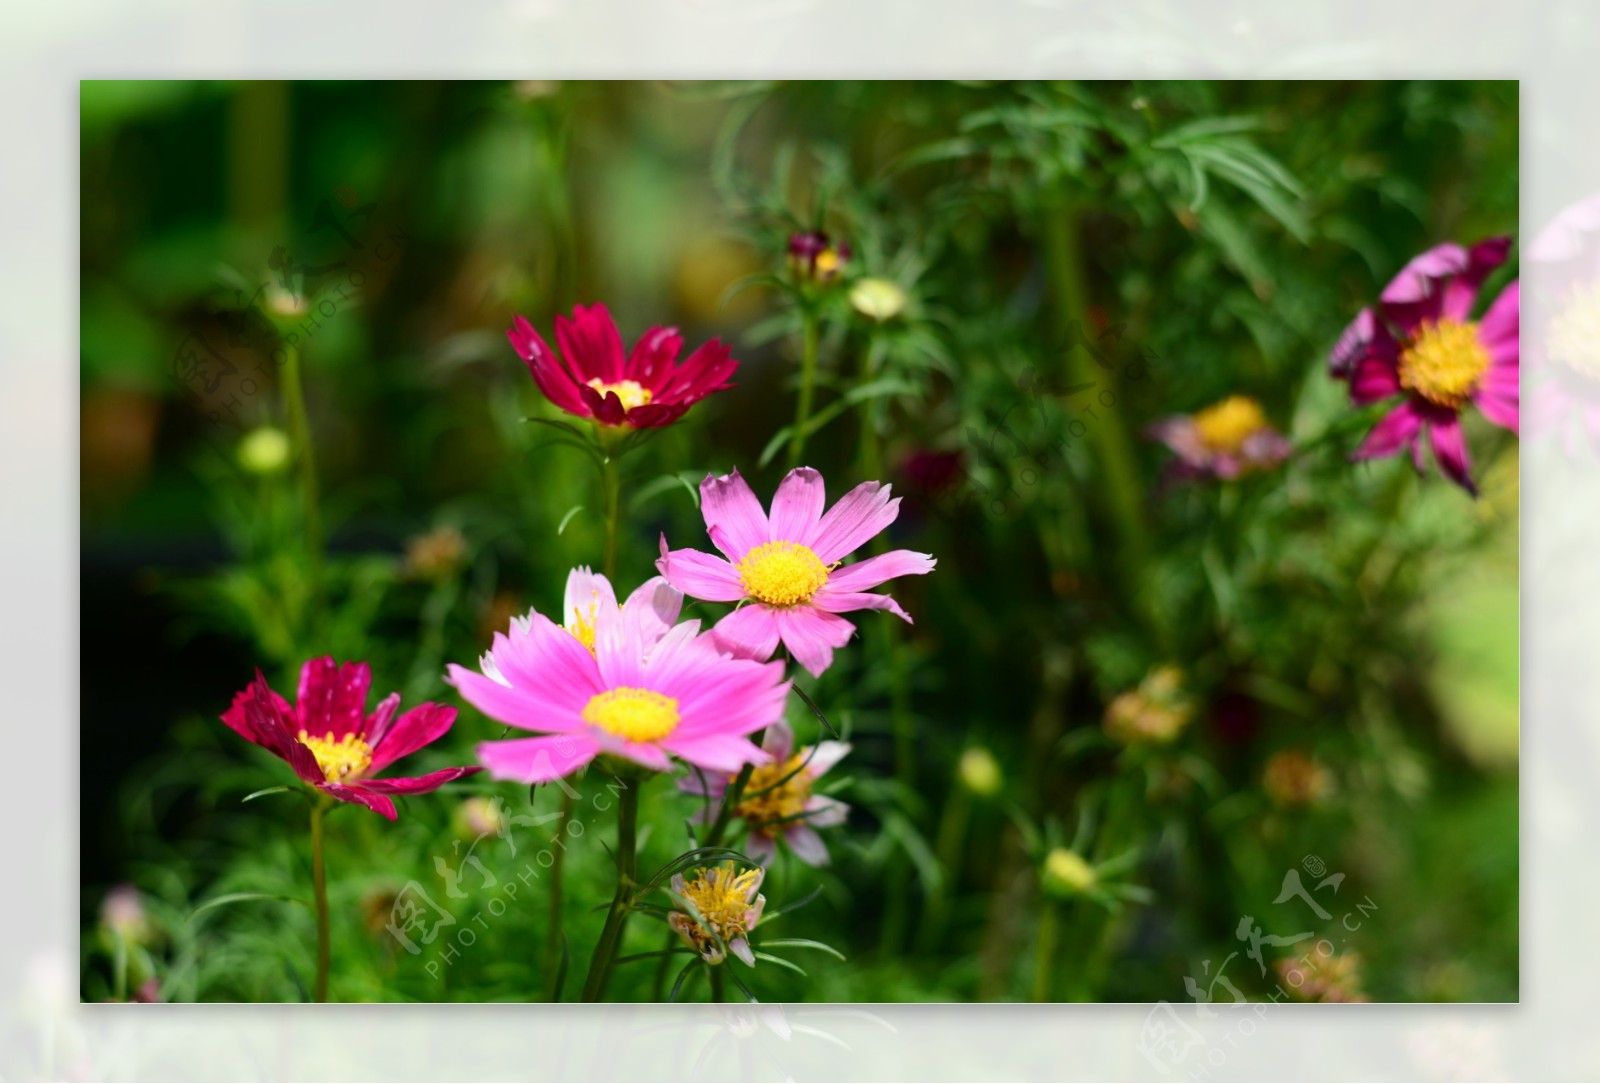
<point>1421,342</point>
<point>591,378</point>
<point>784,571</point>
<point>1224,440</point>
<point>778,800</point>
<point>329,741</point>
<point>630,685</point>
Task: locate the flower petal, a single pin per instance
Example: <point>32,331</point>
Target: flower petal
<point>811,635</point>
<point>548,373</point>
<point>827,755</point>
<point>844,602</point>
<point>806,844</point>
<point>591,344</point>
<point>797,506</point>
<point>422,725</point>
<point>750,632</point>
<point>651,361</point>
<point>587,593</point>
<point>1450,450</point>
<point>875,570</point>
<point>1500,327</point>
<point>715,752</point>
<point>1397,429</point>
<point>655,606</point>
<point>700,575</point>
<point>538,760</point>
<point>374,801</point>
<point>1374,377</point>
<point>779,740</point>
<point>418,784</point>
<point>825,812</point>
<point>728,504</point>
<point>516,706</point>
<point>332,698</point>
<point>859,515</point>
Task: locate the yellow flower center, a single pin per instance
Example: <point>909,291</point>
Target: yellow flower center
<point>1574,335</point>
<point>633,714</point>
<point>583,625</point>
<point>782,573</point>
<point>776,794</point>
<point>1444,361</point>
<point>1225,426</point>
<point>339,758</point>
<point>719,895</point>
<point>631,392</point>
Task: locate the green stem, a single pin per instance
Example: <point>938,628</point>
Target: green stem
<point>552,940</point>
<point>808,380</point>
<point>605,950</point>
<point>952,834</point>
<point>717,994</point>
<point>613,486</point>
<point>319,889</point>
<point>730,801</point>
<point>1045,951</point>
<point>871,453</point>
<point>294,402</point>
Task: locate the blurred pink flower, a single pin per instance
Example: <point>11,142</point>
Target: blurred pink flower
<point>628,686</point>
<point>1224,440</point>
<point>785,570</point>
<point>1421,342</point>
<point>647,388</point>
<point>332,745</point>
<point>778,801</point>
<point>1565,404</point>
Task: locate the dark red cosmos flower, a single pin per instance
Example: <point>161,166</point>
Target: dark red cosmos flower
<point>591,378</point>
<point>329,741</point>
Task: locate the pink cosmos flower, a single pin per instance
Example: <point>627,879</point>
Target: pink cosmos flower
<point>1224,440</point>
<point>332,745</point>
<point>784,571</point>
<point>645,389</point>
<point>778,800</point>
<point>1565,351</point>
<point>1421,342</point>
<point>630,685</point>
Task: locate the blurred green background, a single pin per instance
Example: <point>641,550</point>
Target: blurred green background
<point>1360,619</point>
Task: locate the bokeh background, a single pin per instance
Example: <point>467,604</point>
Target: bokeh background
<point>1357,618</point>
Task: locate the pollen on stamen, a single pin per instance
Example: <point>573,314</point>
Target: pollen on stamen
<point>639,715</point>
<point>630,392</point>
<point>782,573</point>
<point>339,758</point>
<point>1444,362</point>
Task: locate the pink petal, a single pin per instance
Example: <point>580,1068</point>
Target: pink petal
<point>1462,291</point>
<point>811,635</point>
<point>542,657</point>
<point>700,575</point>
<point>378,723</point>
<point>760,848</point>
<point>420,784</point>
<point>332,698</point>
<point>1450,451</point>
<point>591,344</point>
<point>652,358</point>
<point>827,755</point>
<point>538,760</point>
<point>797,506</point>
<point>715,752</point>
<point>1500,327</point>
<point>705,371</point>
<point>844,602</point>
<point>860,514</point>
<point>1374,377</point>
<point>1397,429</point>
<point>875,570</point>
<point>586,590</point>
<point>525,708</point>
<point>806,844</point>
<point>779,740</point>
<point>1354,342</point>
<point>750,632</point>
<point>422,725</point>
<point>655,606</point>
<point>552,378</point>
<point>728,504</point>
<point>825,812</point>
<point>378,803</point>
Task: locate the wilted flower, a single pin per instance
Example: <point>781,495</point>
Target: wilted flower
<point>1154,713</point>
<point>1315,977</point>
<point>623,681</point>
<point>647,388</point>
<point>330,744</point>
<point>1224,440</point>
<point>122,912</point>
<point>264,450</point>
<point>877,299</point>
<point>435,555</point>
<point>1420,342</point>
<point>784,571</point>
<point>815,258</point>
<point>1292,778</point>
<point>1067,874</point>
<point>726,907</point>
<point>979,772</point>
<point>778,800</point>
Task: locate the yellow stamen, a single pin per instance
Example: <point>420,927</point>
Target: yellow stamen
<point>782,573</point>
<point>583,624</point>
<point>633,714</point>
<point>777,793</point>
<point>631,392</point>
<point>721,897</point>
<point>1444,362</point>
<point>339,758</point>
<point>1225,426</point>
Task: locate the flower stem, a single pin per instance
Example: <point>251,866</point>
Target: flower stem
<point>717,994</point>
<point>871,453</point>
<point>319,889</point>
<point>605,949</point>
<point>612,480</point>
<point>1045,951</point>
<point>552,940</point>
<point>730,801</point>
<point>294,402</point>
<point>808,380</point>
<point>952,835</point>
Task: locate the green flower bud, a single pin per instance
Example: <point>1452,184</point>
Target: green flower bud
<point>264,450</point>
<point>980,773</point>
<point>1066,874</point>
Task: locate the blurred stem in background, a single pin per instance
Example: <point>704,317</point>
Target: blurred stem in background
<point>605,950</point>
<point>611,480</point>
<point>319,889</point>
<point>811,331</point>
<point>294,403</point>
<point>1045,950</point>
